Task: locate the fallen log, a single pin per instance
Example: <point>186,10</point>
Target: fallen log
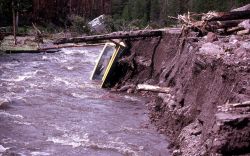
<point>225,16</point>
<point>234,29</point>
<point>146,87</point>
<point>244,32</point>
<point>51,49</point>
<point>68,46</point>
<point>225,24</point>
<point>232,106</point>
<point>244,8</point>
<point>115,35</point>
<point>243,104</point>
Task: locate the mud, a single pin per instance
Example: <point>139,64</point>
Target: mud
<point>205,78</point>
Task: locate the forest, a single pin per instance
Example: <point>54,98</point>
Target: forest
<point>123,12</point>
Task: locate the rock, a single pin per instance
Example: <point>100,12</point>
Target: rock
<point>240,52</point>
<point>190,138</point>
<point>233,40</point>
<point>177,152</point>
<point>126,87</point>
<point>130,90</point>
<point>199,65</point>
<point>99,25</point>
<point>245,24</point>
<point>231,132</point>
<point>144,61</point>
<point>4,103</point>
<point>168,99</point>
<point>246,45</point>
<point>211,37</point>
<point>210,48</point>
<point>3,149</point>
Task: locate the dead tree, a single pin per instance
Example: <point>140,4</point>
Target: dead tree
<point>38,37</point>
<point>115,35</point>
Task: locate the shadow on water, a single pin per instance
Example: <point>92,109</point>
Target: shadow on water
<point>54,109</point>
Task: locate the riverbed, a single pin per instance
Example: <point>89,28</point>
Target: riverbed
<point>55,109</point>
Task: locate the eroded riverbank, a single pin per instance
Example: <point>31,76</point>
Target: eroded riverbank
<point>206,79</point>
<point>54,109</point>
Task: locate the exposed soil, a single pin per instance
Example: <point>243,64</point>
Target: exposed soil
<point>205,78</point>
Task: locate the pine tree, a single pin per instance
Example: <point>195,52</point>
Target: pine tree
<point>155,10</point>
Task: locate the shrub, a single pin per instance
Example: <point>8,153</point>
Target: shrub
<point>78,24</point>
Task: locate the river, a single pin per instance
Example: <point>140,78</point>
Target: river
<point>54,109</point>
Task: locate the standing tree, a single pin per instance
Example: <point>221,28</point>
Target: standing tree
<point>14,14</point>
<point>18,6</point>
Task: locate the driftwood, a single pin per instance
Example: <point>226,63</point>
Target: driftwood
<point>115,35</point>
<point>224,23</point>
<point>234,29</point>
<point>146,87</point>
<point>244,8</point>
<point>232,106</point>
<point>243,32</point>
<point>243,104</point>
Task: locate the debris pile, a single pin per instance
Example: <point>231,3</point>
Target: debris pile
<point>224,23</point>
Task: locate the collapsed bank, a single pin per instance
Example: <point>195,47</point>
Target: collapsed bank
<point>207,109</point>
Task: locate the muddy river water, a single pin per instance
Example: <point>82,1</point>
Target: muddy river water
<point>54,109</point>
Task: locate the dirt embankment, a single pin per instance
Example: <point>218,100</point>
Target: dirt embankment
<point>205,78</point>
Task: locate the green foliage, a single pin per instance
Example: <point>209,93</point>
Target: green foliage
<point>157,12</point>
<point>126,14</point>
<point>5,12</point>
<point>78,24</point>
<point>123,25</point>
<point>22,6</point>
<point>109,22</point>
<point>131,13</point>
<point>23,30</point>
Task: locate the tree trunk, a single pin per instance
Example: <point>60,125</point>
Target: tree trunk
<point>14,21</point>
<point>148,7</point>
<point>236,15</point>
<point>115,35</point>
<point>70,7</point>
<point>225,24</point>
<point>17,16</point>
